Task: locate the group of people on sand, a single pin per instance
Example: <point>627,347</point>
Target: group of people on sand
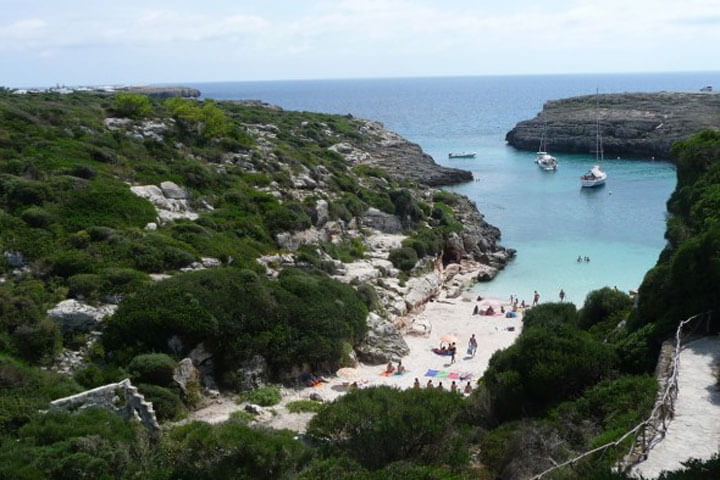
<point>399,370</point>
<point>454,387</point>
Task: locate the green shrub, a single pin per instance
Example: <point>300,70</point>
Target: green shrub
<point>133,105</point>
<point>166,402</point>
<point>37,217</point>
<point>264,396</point>
<point>232,450</point>
<point>155,368</point>
<point>403,258</point>
<point>391,425</point>
<point>601,304</point>
<point>300,406</point>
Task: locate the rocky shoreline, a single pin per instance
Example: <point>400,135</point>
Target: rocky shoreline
<point>631,124</point>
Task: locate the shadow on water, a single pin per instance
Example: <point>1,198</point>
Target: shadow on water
<point>589,191</point>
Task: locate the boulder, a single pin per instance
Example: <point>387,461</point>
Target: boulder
<point>172,190</point>
<point>386,223</point>
<point>73,315</point>
<point>185,373</point>
<point>382,343</point>
<point>316,397</point>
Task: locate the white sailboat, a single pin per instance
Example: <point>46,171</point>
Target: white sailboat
<point>595,176</point>
<point>544,160</point>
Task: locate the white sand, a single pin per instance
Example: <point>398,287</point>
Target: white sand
<point>694,432</point>
<point>446,316</point>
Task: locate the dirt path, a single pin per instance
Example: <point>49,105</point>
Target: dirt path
<point>695,430</point>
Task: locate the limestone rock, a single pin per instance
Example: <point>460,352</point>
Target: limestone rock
<point>173,191</point>
<point>185,373</point>
<point>382,343</point>
<point>293,241</point>
<point>422,289</point>
<point>386,223</point>
<point>168,209</point>
<point>112,123</point>
<point>73,315</point>
<point>638,124</point>
<point>321,213</point>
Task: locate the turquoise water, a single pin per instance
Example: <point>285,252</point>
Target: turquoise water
<point>544,215</point>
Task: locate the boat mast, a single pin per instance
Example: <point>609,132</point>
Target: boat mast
<point>599,157</point>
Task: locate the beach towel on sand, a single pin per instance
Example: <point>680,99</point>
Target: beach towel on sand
<point>441,352</point>
<point>431,373</point>
<point>385,373</point>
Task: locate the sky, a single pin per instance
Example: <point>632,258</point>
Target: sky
<point>79,42</point>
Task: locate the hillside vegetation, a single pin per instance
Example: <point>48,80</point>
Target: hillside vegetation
<point>249,183</point>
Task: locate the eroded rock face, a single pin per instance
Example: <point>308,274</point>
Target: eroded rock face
<point>173,191</point>
<point>73,315</point>
<point>386,223</point>
<point>168,208</point>
<point>421,289</point>
<point>644,124</point>
<point>252,373</point>
<point>382,343</point>
<point>203,362</point>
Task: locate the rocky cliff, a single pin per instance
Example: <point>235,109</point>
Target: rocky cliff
<point>639,124</point>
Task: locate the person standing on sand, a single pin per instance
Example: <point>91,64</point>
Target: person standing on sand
<point>453,387</point>
<point>472,345</point>
<point>468,388</point>
<point>453,350</point>
<point>429,384</point>
<point>416,385</point>
<point>562,295</point>
<point>440,386</point>
<point>536,298</point>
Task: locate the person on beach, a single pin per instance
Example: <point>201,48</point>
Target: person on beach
<point>416,384</point>
<point>453,350</point>
<point>562,295</point>
<point>390,367</point>
<point>400,368</point>
<point>522,304</point>
<point>453,387</point>
<point>429,384</point>
<point>476,310</point>
<point>440,386</point>
<point>468,388</point>
<point>536,298</point>
<point>472,345</point>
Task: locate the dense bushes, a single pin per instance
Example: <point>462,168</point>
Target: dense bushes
<point>155,368</point>
<point>390,425</point>
<point>403,258</point>
<point>301,317</point>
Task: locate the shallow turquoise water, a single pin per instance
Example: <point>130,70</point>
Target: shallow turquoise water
<point>544,215</point>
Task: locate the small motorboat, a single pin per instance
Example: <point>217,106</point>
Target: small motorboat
<point>461,155</point>
<point>594,177</point>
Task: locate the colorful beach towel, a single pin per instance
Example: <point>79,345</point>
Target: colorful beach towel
<point>385,373</point>
<point>441,374</point>
<point>454,375</point>
<point>431,373</point>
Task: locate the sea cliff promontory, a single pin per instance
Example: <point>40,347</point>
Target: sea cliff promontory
<point>632,124</point>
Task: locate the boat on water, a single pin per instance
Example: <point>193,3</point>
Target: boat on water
<point>544,160</point>
<point>461,155</point>
<point>595,176</point>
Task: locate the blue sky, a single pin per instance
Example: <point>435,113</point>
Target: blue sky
<point>78,42</point>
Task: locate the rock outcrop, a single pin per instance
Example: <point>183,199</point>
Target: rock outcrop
<point>170,201</point>
<point>73,315</point>
<point>383,342</point>
<point>400,158</point>
<point>640,124</point>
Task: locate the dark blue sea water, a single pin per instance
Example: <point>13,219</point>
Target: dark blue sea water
<point>545,216</point>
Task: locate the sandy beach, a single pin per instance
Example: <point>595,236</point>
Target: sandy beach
<point>444,316</point>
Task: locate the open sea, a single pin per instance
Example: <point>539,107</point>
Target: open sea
<point>545,216</point>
